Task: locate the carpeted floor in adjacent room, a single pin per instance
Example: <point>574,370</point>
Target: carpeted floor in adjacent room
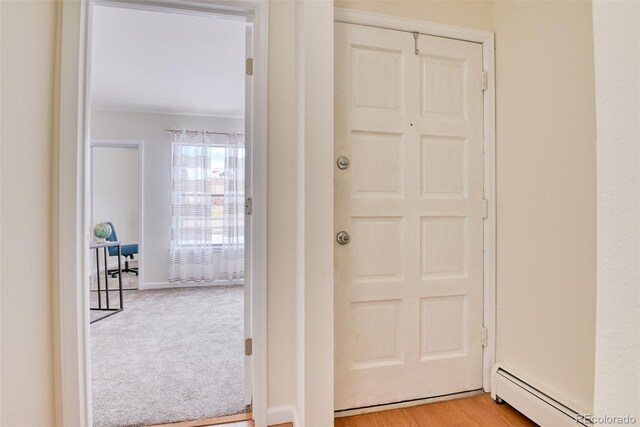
<point>171,355</point>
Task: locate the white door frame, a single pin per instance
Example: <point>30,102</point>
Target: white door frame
<point>486,38</point>
<point>73,370</point>
<point>138,145</point>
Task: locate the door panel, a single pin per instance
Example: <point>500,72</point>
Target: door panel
<point>409,284</point>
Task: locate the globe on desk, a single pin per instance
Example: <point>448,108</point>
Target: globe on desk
<point>102,231</point>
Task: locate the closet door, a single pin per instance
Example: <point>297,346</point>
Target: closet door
<point>408,297</point>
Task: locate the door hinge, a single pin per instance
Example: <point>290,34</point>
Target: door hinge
<point>248,347</point>
<point>248,206</point>
<point>485,208</point>
<point>485,80</point>
<point>484,336</point>
<point>249,66</point>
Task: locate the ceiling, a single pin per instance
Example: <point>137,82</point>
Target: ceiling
<point>158,62</point>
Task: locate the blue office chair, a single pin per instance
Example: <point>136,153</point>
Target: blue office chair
<point>127,251</point>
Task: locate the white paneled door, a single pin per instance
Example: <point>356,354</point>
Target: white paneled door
<point>409,283</point>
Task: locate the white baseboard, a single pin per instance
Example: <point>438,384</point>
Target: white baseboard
<point>283,414</point>
<point>536,405</point>
<point>168,285</point>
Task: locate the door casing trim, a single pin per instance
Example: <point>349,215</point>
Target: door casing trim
<point>487,40</point>
<point>72,365</point>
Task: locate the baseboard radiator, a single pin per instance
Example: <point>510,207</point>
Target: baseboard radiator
<point>540,408</point>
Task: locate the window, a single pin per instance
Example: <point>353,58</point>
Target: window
<point>200,195</point>
<point>207,207</point>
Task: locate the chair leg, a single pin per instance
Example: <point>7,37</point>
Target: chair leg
<point>114,272</point>
<point>127,269</point>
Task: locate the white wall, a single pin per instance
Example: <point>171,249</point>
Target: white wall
<point>114,190</point>
<point>156,182</point>
<point>300,273</point>
<point>546,195</point>
<point>281,209</point>
<point>28,57</point>
<point>617,64</point>
<point>314,34</point>
<point>28,37</point>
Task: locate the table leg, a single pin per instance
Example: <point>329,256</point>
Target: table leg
<point>98,277</point>
<point>120,278</point>
<point>106,275</point>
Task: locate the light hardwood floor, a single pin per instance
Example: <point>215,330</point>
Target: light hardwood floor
<point>478,411</point>
<point>473,411</point>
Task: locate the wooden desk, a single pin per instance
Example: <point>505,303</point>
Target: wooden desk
<point>111,311</point>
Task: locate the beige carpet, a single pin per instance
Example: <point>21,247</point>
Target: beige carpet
<point>171,355</point>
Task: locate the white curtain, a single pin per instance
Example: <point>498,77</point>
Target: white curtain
<point>207,215</point>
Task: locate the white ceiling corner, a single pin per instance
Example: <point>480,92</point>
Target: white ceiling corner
<point>160,62</point>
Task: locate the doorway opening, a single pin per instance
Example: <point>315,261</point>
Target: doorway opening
<point>116,198</point>
<point>169,279</point>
